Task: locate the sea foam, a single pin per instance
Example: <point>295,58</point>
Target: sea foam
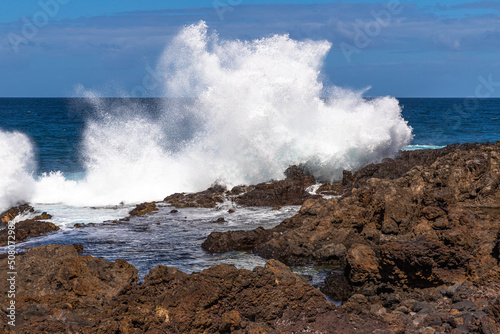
<point>258,107</point>
<point>17,165</point>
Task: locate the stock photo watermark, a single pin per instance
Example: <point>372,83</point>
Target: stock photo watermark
<point>484,89</point>
<point>363,36</point>
<point>224,6</point>
<point>11,273</point>
<point>150,82</point>
<point>32,25</point>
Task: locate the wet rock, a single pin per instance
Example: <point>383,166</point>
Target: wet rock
<point>78,248</point>
<point>209,198</point>
<point>12,213</point>
<point>62,292</point>
<point>29,228</point>
<point>336,287</point>
<point>218,242</point>
<point>437,201</point>
<point>424,226</point>
<point>144,208</point>
<point>291,191</point>
<point>330,189</point>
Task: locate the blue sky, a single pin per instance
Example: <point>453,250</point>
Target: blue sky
<point>422,49</point>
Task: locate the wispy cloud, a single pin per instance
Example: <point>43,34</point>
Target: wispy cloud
<point>131,40</point>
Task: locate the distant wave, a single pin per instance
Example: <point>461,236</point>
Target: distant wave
<point>422,147</point>
<point>257,111</point>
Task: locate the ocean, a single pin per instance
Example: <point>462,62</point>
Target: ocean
<point>249,110</point>
<point>56,128</point>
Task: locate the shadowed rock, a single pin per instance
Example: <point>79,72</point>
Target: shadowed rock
<point>62,292</point>
<point>29,228</point>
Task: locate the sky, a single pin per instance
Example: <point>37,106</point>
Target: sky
<point>445,48</point>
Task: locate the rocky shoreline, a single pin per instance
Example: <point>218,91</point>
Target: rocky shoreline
<point>416,239</point>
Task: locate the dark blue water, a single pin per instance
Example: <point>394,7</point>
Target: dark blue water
<point>56,125</point>
<point>447,121</point>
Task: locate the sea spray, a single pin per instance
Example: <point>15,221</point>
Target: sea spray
<point>256,107</point>
<point>260,108</point>
<point>16,168</point>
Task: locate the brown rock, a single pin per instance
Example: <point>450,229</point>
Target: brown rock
<point>143,208</point>
<point>60,291</point>
<point>291,191</point>
<point>12,213</point>
<point>56,289</point>
<point>218,242</point>
<point>29,228</point>
<point>362,265</point>
<point>209,198</point>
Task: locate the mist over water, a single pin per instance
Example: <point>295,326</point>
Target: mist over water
<point>256,109</point>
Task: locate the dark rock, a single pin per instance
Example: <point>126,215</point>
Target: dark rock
<point>488,326</point>
<point>62,292</point>
<point>432,320</point>
<point>291,191</point>
<point>30,228</point>
<point>424,199</point>
<point>336,287</point>
<point>465,305</point>
<point>479,314</point>
<point>174,211</point>
<point>209,198</point>
<point>423,307</point>
<point>462,292</point>
<point>143,208</point>
<point>391,301</point>
<point>494,309</point>
<point>79,248</point>
<point>218,242</point>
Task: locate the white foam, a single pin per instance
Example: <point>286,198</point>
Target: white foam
<point>258,110</point>
<point>17,164</point>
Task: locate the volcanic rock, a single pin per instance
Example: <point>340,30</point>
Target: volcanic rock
<point>143,208</point>
<point>209,198</point>
<point>290,191</point>
<point>12,213</point>
<point>403,229</point>
<point>30,228</point>
<point>59,291</point>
